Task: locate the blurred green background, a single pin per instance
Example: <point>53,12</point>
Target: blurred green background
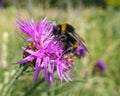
<point>97,21</point>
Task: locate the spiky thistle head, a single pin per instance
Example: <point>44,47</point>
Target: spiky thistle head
<point>44,51</point>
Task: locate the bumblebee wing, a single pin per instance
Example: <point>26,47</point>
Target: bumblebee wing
<point>78,38</point>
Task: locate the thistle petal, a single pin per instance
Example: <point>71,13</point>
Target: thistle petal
<point>27,59</point>
<point>38,68</point>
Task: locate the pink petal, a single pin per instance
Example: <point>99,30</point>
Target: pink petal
<point>37,69</point>
<point>27,59</point>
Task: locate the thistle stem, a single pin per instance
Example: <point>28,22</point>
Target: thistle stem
<point>48,93</point>
<point>30,90</point>
<point>14,78</point>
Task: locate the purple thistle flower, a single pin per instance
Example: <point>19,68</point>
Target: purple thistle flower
<point>99,66</point>
<point>44,51</point>
<point>81,51</point>
<point>1,2</point>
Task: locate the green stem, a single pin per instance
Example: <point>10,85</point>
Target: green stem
<point>48,93</point>
<point>30,90</point>
<point>14,78</point>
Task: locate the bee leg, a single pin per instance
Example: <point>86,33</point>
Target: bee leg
<point>67,51</point>
<point>63,38</point>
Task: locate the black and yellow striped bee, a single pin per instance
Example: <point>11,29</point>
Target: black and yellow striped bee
<point>66,33</point>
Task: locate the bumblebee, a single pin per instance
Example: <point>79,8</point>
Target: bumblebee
<point>66,33</point>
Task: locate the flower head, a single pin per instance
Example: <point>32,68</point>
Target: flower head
<point>1,2</point>
<point>45,52</point>
<point>81,51</point>
<point>99,66</point>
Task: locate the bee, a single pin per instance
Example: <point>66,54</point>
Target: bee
<point>66,33</point>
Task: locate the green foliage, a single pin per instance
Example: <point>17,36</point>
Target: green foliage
<point>61,4</point>
<point>113,2</point>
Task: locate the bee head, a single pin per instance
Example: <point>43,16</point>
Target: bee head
<point>57,30</point>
